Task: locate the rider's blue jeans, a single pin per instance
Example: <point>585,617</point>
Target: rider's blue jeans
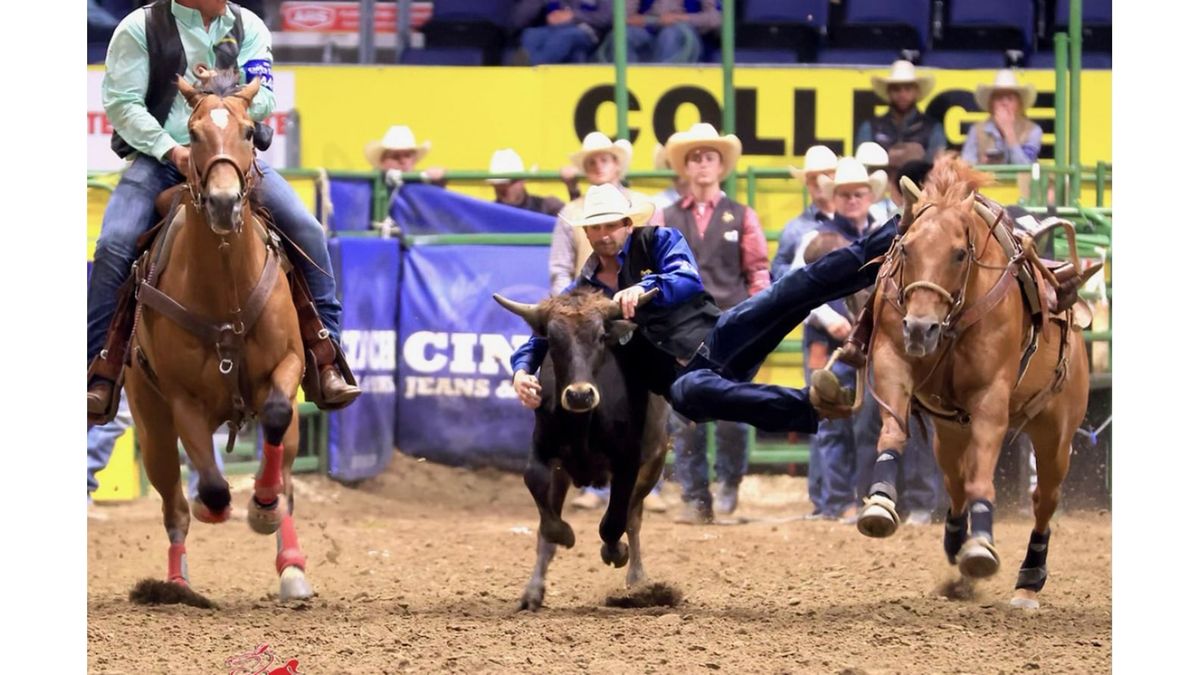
<point>130,212</point>
<point>716,383</point>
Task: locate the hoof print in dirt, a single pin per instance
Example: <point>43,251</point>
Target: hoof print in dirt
<point>653,594</point>
<point>156,592</point>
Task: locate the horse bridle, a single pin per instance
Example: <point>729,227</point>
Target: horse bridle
<point>197,182</point>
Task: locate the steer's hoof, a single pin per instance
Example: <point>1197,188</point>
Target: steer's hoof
<point>616,554</point>
<point>878,518</point>
<point>978,559</point>
<point>557,532</point>
<point>264,519</point>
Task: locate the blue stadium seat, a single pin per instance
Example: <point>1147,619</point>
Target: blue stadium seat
<point>989,24</point>
<point>465,32</point>
<point>1097,23</point>
<point>1091,60</point>
<point>868,57</point>
<point>963,59</point>
<point>769,27</point>
<point>894,24</point>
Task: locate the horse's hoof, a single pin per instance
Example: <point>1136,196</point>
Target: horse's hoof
<point>531,599</point>
<point>264,520</point>
<point>616,555</point>
<point>201,513</point>
<point>1025,600</point>
<point>557,532</point>
<point>293,585</point>
<point>878,518</point>
<point>978,559</point>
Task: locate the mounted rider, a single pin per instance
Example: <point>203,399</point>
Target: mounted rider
<point>150,48</point>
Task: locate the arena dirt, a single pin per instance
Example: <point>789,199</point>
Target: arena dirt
<point>419,570</point>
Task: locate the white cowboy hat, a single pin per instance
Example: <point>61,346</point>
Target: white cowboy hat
<point>902,72</point>
<point>607,204</point>
<point>596,142</point>
<point>817,158</point>
<point>872,155</point>
<point>506,161</point>
<point>703,135</point>
<point>1006,80</point>
<point>851,172</point>
<point>661,162</point>
<point>399,137</point>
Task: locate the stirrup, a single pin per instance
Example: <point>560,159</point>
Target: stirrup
<point>311,382</point>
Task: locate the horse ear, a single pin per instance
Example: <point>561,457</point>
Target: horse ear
<point>249,91</point>
<point>190,93</point>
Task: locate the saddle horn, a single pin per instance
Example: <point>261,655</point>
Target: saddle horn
<point>529,312</point>
<point>614,308</point>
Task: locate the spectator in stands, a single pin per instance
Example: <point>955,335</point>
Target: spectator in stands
<point>512,192</point>
<point>561,31</point>
<point>1007,136</point>
<point>667,31</point>
<point>398,153</point>
<point>872,156</point>
<point>903,123</point>
<point>678,186</point>
<point>731,252</point>
<point>818,161</point>
<point>601,160</point>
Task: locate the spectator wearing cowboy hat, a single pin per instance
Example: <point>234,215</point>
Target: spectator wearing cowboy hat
<point>398,153</point>
<point>731,250</point>
<point>818,160</point>
<point>513,192</point>
<point>877,161</point>
<point>602,161</point>
<point>903,123</point>
<point>561,31</point>
<point>1007,136</point>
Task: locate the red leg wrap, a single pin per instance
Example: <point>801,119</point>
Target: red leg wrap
<point>177,564</point>
<point>288,544</point>
<point>269,483</point>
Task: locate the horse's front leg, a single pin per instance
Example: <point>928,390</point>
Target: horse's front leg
<point>989,421</point>
<point>893,387</point>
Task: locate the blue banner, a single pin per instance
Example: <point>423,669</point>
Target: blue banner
<point>352,203</point>
<point>456,404</point>
<point>361,441</point>
<point>425,209</point>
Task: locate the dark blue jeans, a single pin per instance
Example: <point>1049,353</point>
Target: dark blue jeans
<point>565,43</point>
<point>677,43</point>
<point>691,457</point>
<point>716,383</point>
<point>130,212</point>
<point>836,458</point>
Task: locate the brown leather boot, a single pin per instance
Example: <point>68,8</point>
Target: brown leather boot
<point>827,395</point>
<point>106,372</point>
<point>99,398</point>
<point>328,381</point>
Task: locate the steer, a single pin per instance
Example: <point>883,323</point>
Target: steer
<point>597,422</point>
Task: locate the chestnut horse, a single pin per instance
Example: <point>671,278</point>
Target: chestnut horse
<point>951,333</point>
<point>217,338</point>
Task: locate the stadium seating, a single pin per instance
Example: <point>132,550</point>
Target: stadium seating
<point>464,32</point>
<point>769,30</point>
<point>989,25</point>
<point>1097,23</point>
<point>883,24</point>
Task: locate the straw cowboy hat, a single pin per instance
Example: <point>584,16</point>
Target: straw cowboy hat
<point>607,204</point>
<point>1006,80</point>
<point>399,137</point>
<point>506,161</point>
<point>902,72</point>
<point>597,142</point>
<point>872,155</point>
<point>703,135</point>
<point>818,158</point>
<point>851,172</point>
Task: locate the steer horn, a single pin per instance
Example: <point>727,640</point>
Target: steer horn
<point>530,313</point>
<point>911,196</point>
<point>614,308</point>
<point>989,217</point>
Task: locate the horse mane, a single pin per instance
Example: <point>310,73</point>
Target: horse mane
<point>952,180</point>
<point>580,303</point>
<point>222,83</point>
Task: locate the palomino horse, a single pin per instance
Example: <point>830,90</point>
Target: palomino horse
<point>217,338</point>
<point>954,336</point>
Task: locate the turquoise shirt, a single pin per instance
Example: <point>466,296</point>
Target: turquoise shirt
<point>127,74</point>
